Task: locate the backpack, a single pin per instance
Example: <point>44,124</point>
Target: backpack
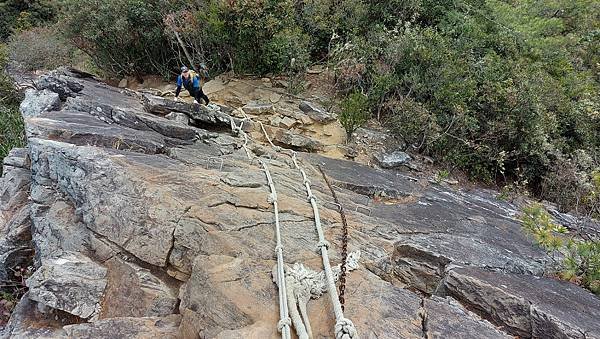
<point>193,74</point>
<point>203,73</point>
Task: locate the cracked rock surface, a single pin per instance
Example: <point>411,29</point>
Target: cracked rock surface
<point>141,225</point>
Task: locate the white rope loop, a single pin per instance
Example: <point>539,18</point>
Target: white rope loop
<point>281,324</point>
<point>344,329</point>
<point>284,323</point>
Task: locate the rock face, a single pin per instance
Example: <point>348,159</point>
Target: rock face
<point>316,112</point>
<point>15,220</point>
<point>69,282</point>
<point>143,227</point>
<point>528,306</point>
<point>37,102</point>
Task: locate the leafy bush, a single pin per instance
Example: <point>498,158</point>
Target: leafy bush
<point>354,112</point>
<point>22,15</point>
<point>578,260</point>
<point>39,48</point>
<point>287,51</point>
<point>12,132</point>
<point>121,36</point>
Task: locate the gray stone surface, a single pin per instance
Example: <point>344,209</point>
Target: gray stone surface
<point>181,118</point>
<point>316,112</point>
<point>393,159</point>
<point>17,157</point>
<point>527,306</point>
<point>15,221</point>
<point>144,294</point>
<point>59,82</point>
<point>447,318</point>
<point>296,141</point>
<point>127,328</point>
<point>28,321</point>
<point>69,282</point>
<point>258,108</point>
<point>114,200</point>
<point>36,102</point>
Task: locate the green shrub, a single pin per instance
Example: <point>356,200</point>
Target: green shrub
<point>121,36</point>
<point>40,48</point>
<point>20,15</point>
<point>12,132</point>
<point>578,259</point>
<point>287,51</point>
<point>354,112</point>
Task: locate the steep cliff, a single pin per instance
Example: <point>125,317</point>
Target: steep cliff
<point>146,219</point>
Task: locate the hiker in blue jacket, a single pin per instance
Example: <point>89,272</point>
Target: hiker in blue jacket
<point>191,81</point>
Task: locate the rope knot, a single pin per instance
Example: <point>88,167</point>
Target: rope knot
<point>344,329</point>
<point>278,247</point>
<point>311,197</point>
<point>285,322</point>
<point>323,243</point>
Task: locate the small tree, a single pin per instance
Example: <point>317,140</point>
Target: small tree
<point>354,113</point>
<point>578,259</point>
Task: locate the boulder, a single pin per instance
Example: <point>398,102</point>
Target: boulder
<point>36,102</point>
<point>393,159</point>
<point>178,117</point>
<point>258,108</point>
<point>123,83</point>
<point>17,157</point>
<point>296,141</point>
<point>316,112</point>
<point>32,320</point>
<point>60,84</point>
<point>287,123</point>
<point>69,282</point>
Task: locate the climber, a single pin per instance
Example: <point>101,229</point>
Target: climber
<point>191,81</point>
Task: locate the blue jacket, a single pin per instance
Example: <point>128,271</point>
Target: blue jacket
<point>189,82</point>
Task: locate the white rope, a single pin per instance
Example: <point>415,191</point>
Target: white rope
<point>344,328</point>
<point>284,323</point>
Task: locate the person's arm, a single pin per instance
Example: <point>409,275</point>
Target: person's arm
<point>196,83</point>
<point>179,83</point>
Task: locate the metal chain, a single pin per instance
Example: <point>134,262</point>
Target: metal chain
<point>344,239</point>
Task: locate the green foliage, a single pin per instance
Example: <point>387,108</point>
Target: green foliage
<point>40,48</point>
<point>441,176</point>
<point>12,132</point>
<point>500,90</point>
<point>18,15</point>
<point>287,50</point>
<point>579,259</point>
<point>354,112</point>
<point>121,36</point>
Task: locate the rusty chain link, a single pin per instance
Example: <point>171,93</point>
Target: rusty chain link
<point>344,239</point>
